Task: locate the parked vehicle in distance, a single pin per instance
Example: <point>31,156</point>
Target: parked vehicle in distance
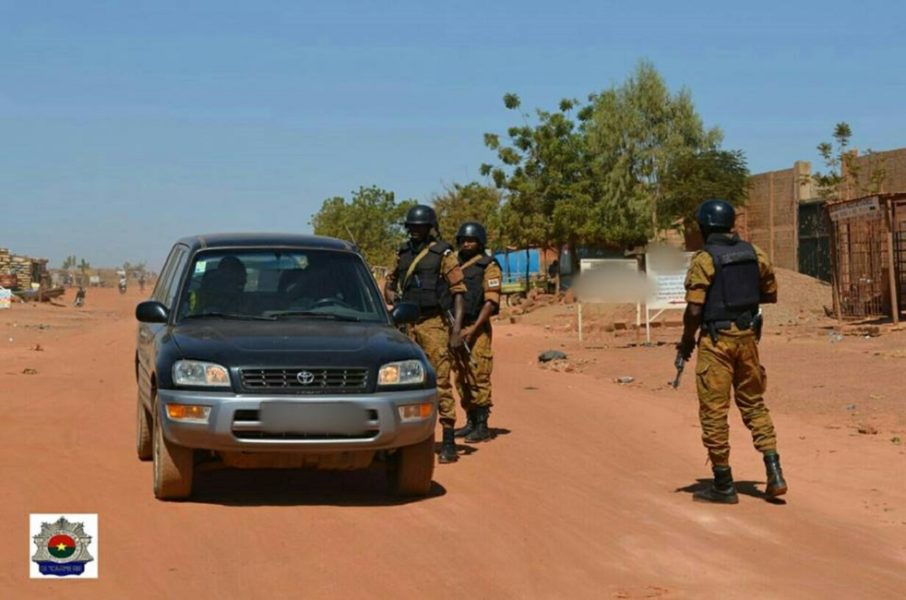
<point>277,351</point>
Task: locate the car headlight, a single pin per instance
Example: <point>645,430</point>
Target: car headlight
<point>404,372</point>
<point>196,372</point>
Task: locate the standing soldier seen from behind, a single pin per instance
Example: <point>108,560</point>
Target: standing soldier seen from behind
<point>472,373</point>
<point>724,287</point>
<point>428,274</point>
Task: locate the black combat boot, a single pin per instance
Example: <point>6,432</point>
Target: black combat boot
<point>448,447</point>
<point>776,483</point>
<point>480,433</point>
<point>721,491</point>
<point>468,427</point>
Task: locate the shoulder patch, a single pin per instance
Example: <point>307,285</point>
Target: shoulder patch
<point>493,283</point>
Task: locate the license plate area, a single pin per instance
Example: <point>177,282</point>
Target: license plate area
<point>340,418</point>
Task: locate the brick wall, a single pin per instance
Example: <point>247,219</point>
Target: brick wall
<point>770,218</point>
<point>893,162</point>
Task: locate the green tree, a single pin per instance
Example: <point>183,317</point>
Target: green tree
<point>69,263</point>
<point>470,202</point>
<point>652,153</point>
<point>544,172</point>
<point>845,177</point>
<point>372,219</point>
<point>694,176</point>
<point>630,163</point>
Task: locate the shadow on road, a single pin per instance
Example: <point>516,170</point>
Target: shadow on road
<point>300,487</point>
<point>746,488</point>
<point>466,449</point>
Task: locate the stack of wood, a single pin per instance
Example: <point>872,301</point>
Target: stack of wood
<point>5,261</point>
<point>21,267</point>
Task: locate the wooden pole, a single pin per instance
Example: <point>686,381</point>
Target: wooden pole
<point>892,263</point>
<point>835,279</point>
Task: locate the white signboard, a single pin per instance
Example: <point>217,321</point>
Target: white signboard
<point>666,270</point>
<point>866,208</point>
<point>609,281</point>
<point>6,298</point>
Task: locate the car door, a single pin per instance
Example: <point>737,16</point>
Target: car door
<point>150,334</point>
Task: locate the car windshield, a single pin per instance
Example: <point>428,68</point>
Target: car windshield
<point>281,284</point>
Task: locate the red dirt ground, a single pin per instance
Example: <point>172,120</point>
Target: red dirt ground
<point>584,493</point>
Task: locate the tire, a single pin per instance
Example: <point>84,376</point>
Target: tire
<point>173,465</point>
<point>143,445</point>
<point>412,468</point>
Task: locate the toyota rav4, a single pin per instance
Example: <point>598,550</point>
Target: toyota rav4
<point>277,351</point>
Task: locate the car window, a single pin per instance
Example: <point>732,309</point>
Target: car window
<point>182,256</point>
<point>166,274</point>
<point>281,284</point>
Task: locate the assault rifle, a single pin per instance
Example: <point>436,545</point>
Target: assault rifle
<point>465,344</point>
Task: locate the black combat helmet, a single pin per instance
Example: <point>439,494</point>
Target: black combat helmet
<point>472,229</point>
<point>715,216</point>
<point>421,215</point>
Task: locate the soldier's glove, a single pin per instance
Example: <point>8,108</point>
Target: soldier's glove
<point>686,347</point>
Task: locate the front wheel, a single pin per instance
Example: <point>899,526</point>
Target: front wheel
<point>412,468</point>
<point>173,465</point>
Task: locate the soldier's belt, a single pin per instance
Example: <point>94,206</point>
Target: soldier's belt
<point>741,325</point>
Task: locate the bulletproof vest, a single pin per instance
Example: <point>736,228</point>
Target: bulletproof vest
<point>426,286</point>
<point>736,288</point>
<point>474,280</point>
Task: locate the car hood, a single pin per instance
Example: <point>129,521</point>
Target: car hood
<point>293,343</point>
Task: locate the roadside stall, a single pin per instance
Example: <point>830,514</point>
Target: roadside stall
<point>868,256</point>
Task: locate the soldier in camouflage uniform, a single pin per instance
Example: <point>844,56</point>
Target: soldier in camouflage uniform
<point>428,274</point>
<point>473,373</point>
<point>724,287</point>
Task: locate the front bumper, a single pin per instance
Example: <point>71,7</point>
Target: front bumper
<point>330,423</point>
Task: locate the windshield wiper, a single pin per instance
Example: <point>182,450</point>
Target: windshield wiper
<point>237,316</point>
<point>312,313</point>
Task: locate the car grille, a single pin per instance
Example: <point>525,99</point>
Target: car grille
<point>302,380</point>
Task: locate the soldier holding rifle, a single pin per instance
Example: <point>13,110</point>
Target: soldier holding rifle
<point>726,283</point>
<point>472,371</point>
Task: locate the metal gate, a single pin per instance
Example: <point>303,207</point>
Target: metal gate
<point>814,241</point>
<point>868,241</point>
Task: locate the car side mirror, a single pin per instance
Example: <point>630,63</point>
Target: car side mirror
<point>404,312</point>
<point>151,311</point>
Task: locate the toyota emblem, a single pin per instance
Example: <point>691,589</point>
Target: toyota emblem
<point>305,377</point>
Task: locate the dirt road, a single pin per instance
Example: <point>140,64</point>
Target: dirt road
<point>585,492</point>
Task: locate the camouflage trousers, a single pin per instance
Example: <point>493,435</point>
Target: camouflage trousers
<point>433,335</point>
<point>732,363</point>
<point>473,377</point>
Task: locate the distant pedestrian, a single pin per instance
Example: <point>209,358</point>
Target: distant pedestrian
<point>726,283</point>
<point>472,373</point>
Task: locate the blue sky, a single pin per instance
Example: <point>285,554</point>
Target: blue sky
<point>126,125</point>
